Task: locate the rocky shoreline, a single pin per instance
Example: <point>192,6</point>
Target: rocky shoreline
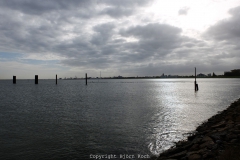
<point>216,139</point>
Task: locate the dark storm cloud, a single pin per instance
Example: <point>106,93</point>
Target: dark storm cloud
<point>102,34</point>
<point>93,62</point>
<point>183,11</point>
<point>37,7</point>
<point>150,31</point>
<point>76,8</point>
<point>117,12</point>
<point>121,8</point>
<point>226,35</point>
<point>21,35</point>
<point>227,29</point>
<point>154,40</point>
<point>38,26</point>
<point>126,3</point>
<point>189,44</point>
<point>88,34</point>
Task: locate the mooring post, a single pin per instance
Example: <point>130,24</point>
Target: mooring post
<point>36,79</point>
<point>86,78</point>
<point>195,80</point>
<point>14,79</point>
<point>195,75</point>
<point>195,83</point>
<point>56,78</point>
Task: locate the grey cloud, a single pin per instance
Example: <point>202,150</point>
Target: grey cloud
<point>153,30</point>
<point>23,36</point>
<point>121,8</point>
<point>83,8</point>
<point>235,11</point>
<point>226,36</point>
<point>183,11</point>
<point>189,44</point>
<point>103,33</point>
<point>91,62</point>
<point>126,3</point>
<point>77,31</point>
<point>153,39</point>
<point>97,50</point>
<point>117,12</point>
<point>109,49</point>
<point>223,55</point>
<point>37,7</point>
<point>30,32</point>
<point>227,29</point>
<point>104,28</point>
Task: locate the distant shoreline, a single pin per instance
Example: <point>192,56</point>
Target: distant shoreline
<point>136,78</point>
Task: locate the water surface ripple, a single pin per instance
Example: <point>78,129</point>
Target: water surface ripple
<point>71,120</point>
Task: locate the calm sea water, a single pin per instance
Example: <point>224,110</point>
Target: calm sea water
<point>72,121</point>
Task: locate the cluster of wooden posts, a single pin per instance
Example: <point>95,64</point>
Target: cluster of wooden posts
<point>36,79</point>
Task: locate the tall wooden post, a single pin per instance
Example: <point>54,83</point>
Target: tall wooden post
<point>195,82</point>
<point>56,78</point>
<point>86,78</point>
<point>14,79</point>
<point>36,79</point>
<point>195,75</point>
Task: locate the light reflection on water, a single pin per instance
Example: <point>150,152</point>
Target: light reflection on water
<point>71,120</point>
<point>183,109</point>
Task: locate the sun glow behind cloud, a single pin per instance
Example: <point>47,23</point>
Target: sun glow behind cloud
<point>200,14</point>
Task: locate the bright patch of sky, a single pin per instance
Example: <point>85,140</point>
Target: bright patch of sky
<point>198,17</point>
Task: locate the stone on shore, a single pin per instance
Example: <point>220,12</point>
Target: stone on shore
<point>217,138</point>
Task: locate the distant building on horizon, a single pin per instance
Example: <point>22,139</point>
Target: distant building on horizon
<point>163,76</point>
<point>172,76</point>
<point>235,72</point>
<point>201,75</point>
<point>118,76</point>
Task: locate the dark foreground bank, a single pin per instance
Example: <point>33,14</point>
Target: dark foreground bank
<point>216,139</point>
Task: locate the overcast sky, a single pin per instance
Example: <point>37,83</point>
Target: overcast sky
<point>118,37</point>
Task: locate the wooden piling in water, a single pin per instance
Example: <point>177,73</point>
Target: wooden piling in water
<point>195,74</point>
<point>86,78</point>
<point>56,78</point>
<point>195,82</point>
<point>36,79</point>
<point>14,79</point>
